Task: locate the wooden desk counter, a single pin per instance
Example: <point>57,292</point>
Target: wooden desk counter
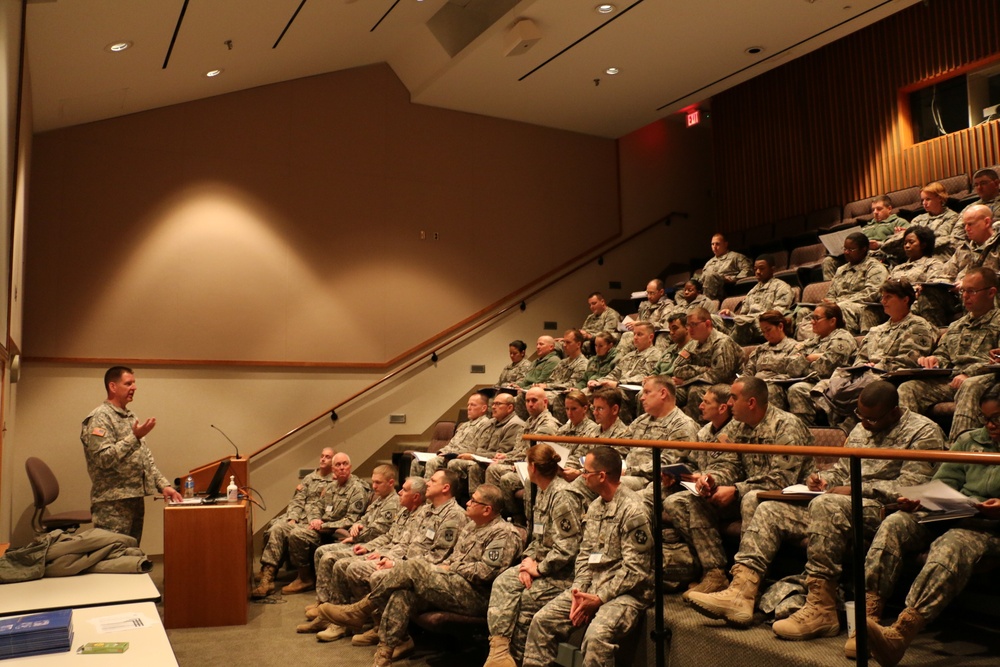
<point>207,564</point>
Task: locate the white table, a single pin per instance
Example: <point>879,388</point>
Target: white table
<point>148,645</point>
<point>84,590</point>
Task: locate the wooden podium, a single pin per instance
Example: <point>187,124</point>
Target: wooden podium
<point>207,558</point>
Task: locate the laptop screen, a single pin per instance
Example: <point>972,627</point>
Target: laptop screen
<point>215,486</point>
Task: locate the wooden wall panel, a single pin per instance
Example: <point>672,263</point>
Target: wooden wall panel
<point>828,128</point>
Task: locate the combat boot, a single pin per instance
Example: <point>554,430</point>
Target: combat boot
<point>303,582</point>
<point>313,626</point>
<point>332,633</point>
<point>351,616</point>
<point>266,584</point>
<point>873,609</point>
<point>383,656</point>
<point>715,580</point>
<point>367,638</point>
<point>404,649</point>
<point>818,618</point>
<point>736,603</point>
<point>499,653</point>
<point>889,644</point>
<point>312,610</point>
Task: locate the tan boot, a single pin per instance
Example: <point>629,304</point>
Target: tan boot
<point>332,633</point>
<point>266,584</point>
<point>715,580</point>
<point>383,656</point>
<point>818,618</point>
<point>303,582</point>
<point>499,653</point>
<point>313,626</point>
<point>312,610</point>
<point>404,649</point>
<point>351,616</point>
<point>873,609</point>
<point>736,603</point>
<point>367,638</point>
<point>889,644</point>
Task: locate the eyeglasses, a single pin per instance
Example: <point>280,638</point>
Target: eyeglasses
<point>817,318</point>
<point>866,420</point>
<point>970,292</point>
<point>473,501</point>
<point>586,472</point>
<point>694,323</point>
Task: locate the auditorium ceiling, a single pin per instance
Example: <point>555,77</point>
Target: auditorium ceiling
<point>544,62</point>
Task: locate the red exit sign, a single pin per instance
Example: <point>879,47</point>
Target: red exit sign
<point>693,118</point>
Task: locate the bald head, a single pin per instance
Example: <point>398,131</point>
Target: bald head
<point>544,345</point>
<point>978,222</point>
<point>535,401</point>
<point>341,467</point>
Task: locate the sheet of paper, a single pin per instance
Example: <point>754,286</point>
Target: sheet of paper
<point>424,457</point>
<point>800,488</point>
<point>120,623</point>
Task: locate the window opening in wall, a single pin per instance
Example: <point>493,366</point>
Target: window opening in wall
<point>955,104</point>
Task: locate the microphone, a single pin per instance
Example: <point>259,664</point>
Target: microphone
<point>227,438</point>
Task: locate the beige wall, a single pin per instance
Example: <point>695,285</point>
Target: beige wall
<point>253,405</point>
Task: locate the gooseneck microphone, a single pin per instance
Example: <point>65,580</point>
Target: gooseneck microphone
<point>227,438</point>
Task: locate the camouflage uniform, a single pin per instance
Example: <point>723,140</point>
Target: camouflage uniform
<point>889,347</point>
<point>578,452</point>
<point>699,301</point>
<point>944,225</point>
<point>512,374</point>
<point>504,475</point>
<point>668,360</point>
<point>955,547</point>
<point>497,437</point>
<point>295,518</point>
<point>434,533</point>
<point>569,374</point>
<point>121,469</point>
<point>763,472</point>
<point>965,348</point>
<point>714,361</point>
<point>934,304</point>
<point>327,555</point>
<point>340,507</point>
<point>635,366</point>
<point>675,425</point>
<point>774,294</point>
<point>958,233</point>
<point>826,520</point>
<point>482,552</point>
<point>605,322</point>
<point>555,542</point>
<point>540,370</point>
<point>467,435</point>
<point>695,518</point>
<point>654,313</point>
<point>614,563</point>
<point>836,349</point>
<point>730,265</point>
<point>587,428</point>
<point>852,285</point>
<point>781,361</point>
<point>969,254</point>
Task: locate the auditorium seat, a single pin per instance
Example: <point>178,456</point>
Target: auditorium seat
<point>802,264</point>
<point>906,202</point>
<point>815,292</point>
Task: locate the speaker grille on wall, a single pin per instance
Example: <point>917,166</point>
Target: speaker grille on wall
<point>521,37</point>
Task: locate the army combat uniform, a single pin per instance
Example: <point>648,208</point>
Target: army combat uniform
<point>502,436</point>
<point>717,269</point>
<point>482,553</point>
<point>835,350</point>
<point>775,294</point>
<point>340,506</point>
<point>675,425</point>
<point>121,469</point>
<point>715,360</point>
<point>771,362</point>
<point>296,517</point>
<point>504,475</point>
<point>467,435</point>
<point>555,542</point>
<point>615,564</point>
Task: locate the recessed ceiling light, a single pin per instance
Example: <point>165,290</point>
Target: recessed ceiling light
<point>117,47</point>
<point>605,8</point>
<point>611,70</point>
<point>213,72</point>
<point>754,50</point>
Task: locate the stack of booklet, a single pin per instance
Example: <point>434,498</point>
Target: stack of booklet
<point>36,634</point>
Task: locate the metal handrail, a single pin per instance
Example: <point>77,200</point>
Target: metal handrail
<point>855,454</point>
<point>430,351</point>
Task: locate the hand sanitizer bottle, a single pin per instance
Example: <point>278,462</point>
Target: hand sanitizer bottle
<point>232,492</point>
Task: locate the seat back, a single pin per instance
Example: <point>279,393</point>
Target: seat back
<point>815,292</point>
<point>44,484</point>
<point>807,254</point>
<point>827,437</point>
<point>444,431</point>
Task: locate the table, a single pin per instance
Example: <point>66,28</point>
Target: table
<point>82,590</point>
<point>148,646</point>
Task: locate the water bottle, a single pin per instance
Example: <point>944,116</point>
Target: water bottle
<point>189,487</point>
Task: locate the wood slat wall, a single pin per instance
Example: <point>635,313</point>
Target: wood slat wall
<point>832,126</point>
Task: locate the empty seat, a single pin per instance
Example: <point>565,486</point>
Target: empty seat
<point>801,264</point>
<point>45,488</point>
<point>815,292</point>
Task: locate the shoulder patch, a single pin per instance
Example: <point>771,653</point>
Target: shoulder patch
<point>448,534</point>
<point>359,505</point>
<point>99,432</point>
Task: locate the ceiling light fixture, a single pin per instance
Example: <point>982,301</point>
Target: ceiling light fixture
<point>611,70</point>
<point>754,50</point>
<point>117,47</point>
<point>606,8</point>
<point>213,72</point>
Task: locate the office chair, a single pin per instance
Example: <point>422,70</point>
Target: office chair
<point>45,488</point>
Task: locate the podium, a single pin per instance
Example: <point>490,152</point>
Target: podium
<point>207,558</point>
